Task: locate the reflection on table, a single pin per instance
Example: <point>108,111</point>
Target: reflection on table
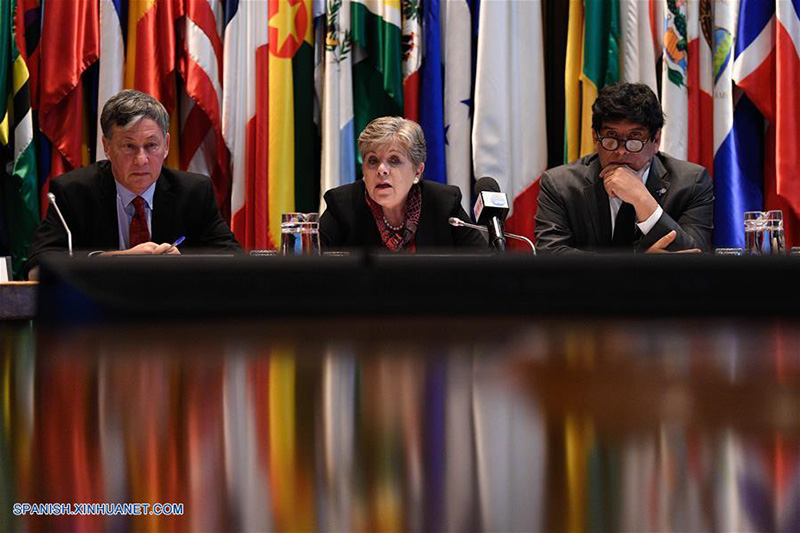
<point>396,425</point>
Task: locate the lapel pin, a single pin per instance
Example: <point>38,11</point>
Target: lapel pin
<point>661,192</point>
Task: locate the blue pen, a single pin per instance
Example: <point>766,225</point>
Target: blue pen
<point>175,244</point>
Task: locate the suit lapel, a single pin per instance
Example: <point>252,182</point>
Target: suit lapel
<point>163,207</point>
<point>109,230</point>
<point>657,181</point>
<point>597,202</point>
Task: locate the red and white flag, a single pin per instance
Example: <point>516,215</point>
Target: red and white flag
<point>509,133</point>
<point>245,125</point>
<point>203,148</point>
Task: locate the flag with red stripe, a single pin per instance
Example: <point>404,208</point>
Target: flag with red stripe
<point>245,125</point>
<point>509,132</point>
<point>203,148</point>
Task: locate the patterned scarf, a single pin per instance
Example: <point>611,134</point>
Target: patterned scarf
<point>402,239</point>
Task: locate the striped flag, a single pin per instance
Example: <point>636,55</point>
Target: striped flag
<point>20,187</point>
<point>338,136</point>
<point>457,58</point>
<point>592,63</point>
<point>412,57</point>
<point>203,148</point>
<point>509,132</point>
<point>111,75</point>
<point>768,69</point>
<point>151,59</point>
<point>738,142</point>
<point>244,119</point>
<point>69,44</point>
<point>431,113</point>
<point>674,74</point>
<point>290,106</point>
<point>572,82</point>
<point>377,65</point>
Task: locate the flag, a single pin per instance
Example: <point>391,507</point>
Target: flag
<point>457,58</point>
<point>151,59</point>
<point>244,119</point>
<point>637,53</point>
<point>700,84</point>
<point>509,132</point>
<point>592,63</point>
<point>338,136</point>
<point>766,70</point>
<point>738,138</point>
<point>572,83</point>
<point>20,187</point>
<point>203,148</point>
<point>69,44</point>
<point>111,75</point>
<point>306,135</point>
<point>674,94</point>
<point>412,56</point>
<point>377,66</point>
<point>431,113</point>
<point>290,101</point>
<point>787,112</point>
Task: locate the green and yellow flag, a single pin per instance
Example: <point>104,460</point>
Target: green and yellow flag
<point>593,36</point>
<point>17,153</point>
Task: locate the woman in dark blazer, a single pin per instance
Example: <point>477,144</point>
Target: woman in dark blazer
<point>392,207</point>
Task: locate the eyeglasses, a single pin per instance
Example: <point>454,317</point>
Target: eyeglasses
<point>612,143</point>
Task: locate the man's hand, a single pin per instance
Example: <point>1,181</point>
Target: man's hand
<point>622,182</point>
<point>148,248</point>
<point>660,246</point>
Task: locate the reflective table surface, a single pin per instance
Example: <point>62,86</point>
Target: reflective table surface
<point>397,424</point>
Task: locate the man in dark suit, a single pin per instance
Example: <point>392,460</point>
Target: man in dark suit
<point>627,196</point>
<point>131,203</point>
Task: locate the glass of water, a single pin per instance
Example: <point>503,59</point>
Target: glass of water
<point>300,234</point>
<point>763,232</point>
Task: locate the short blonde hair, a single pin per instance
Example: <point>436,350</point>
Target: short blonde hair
<point>387,130</point>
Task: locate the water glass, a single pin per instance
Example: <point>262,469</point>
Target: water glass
<point>300,234</point>
<point>763,233</point>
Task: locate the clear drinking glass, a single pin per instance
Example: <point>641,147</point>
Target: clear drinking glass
<point>300,234</point>
<point>753,232</point>
<point>763,233</point>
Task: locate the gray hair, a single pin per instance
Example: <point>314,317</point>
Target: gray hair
<point>386,130</point>
<point>128,107</point>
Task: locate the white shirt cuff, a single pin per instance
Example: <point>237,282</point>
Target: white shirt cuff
<point>648,224</point>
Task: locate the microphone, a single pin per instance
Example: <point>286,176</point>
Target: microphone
<point>52,198</point>
<point>458,223</point>
<point>491,209</point>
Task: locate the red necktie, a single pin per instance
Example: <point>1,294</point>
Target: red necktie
<point>139,232</point>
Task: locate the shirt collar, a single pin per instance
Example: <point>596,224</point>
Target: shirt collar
<point>127,196</point>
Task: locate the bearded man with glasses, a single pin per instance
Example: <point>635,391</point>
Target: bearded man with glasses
<point>627,196</point>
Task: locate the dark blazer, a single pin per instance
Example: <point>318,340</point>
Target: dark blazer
<point>183,205</point>
<point>348,223</point>
<point>574,213</point>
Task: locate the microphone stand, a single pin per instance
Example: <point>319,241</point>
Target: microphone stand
<point>458,223</point>
<point>52,198</point>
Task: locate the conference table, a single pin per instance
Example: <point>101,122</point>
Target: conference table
<point>380,393</point>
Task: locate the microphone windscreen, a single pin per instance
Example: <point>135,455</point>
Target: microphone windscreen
<point>486,184</point>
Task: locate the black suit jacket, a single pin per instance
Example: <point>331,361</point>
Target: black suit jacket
<point>183,205</point>
<point>574,213</point>
<point>348,223</point>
